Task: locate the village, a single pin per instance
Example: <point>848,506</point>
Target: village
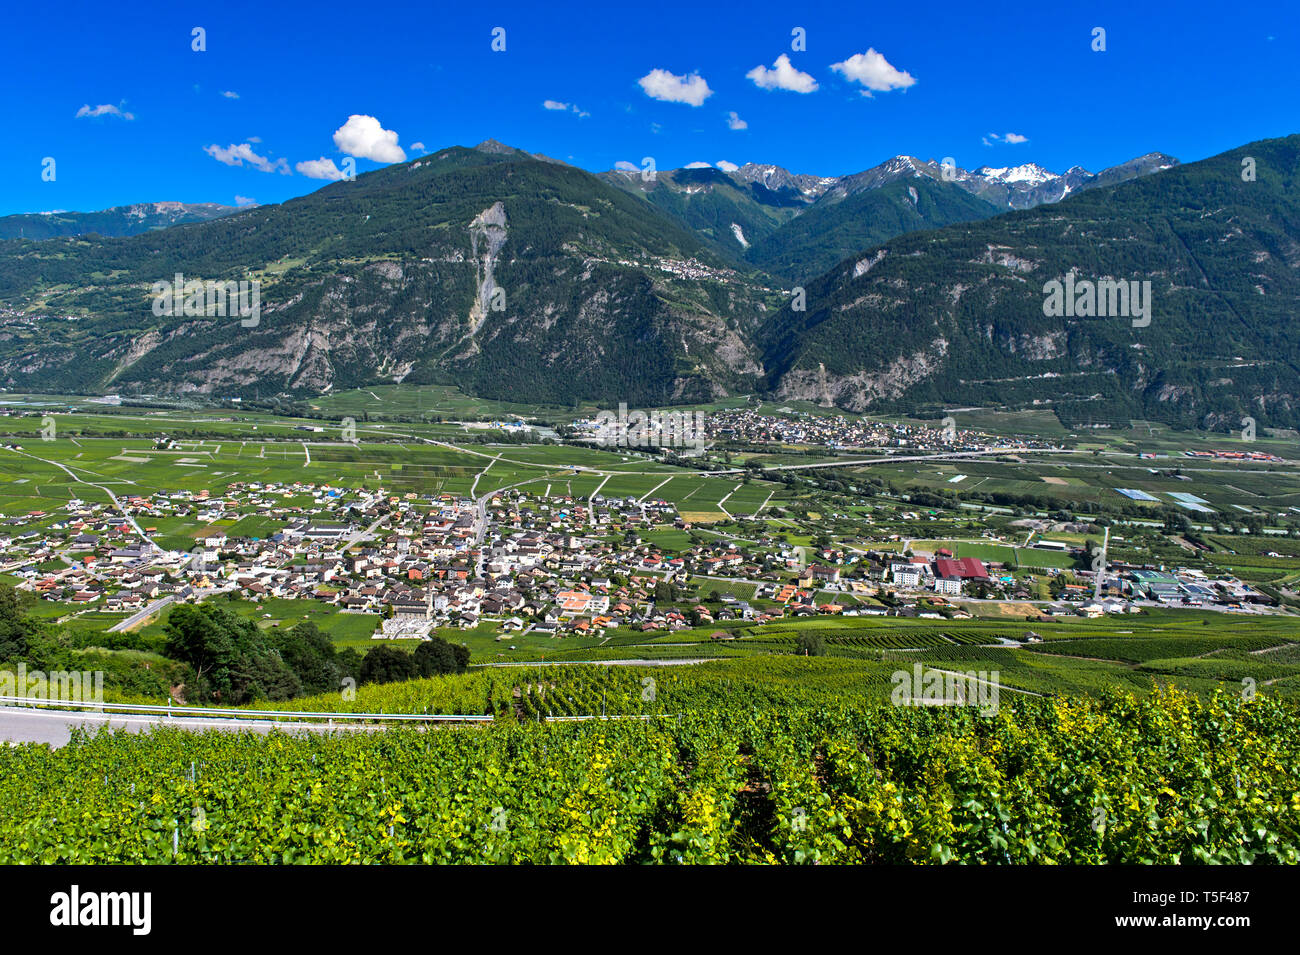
<point>838,432</point>
<point>517,562</point>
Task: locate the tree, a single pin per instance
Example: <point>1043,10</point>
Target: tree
<point>434,657</point>
<point>310,654</point>
<point>263,675</point>
<point>15,628</point>
<point>386,664</point>
<point>201,636</point>
<point>232,659</point>
<point>809,644</point>
<point>349,663</point>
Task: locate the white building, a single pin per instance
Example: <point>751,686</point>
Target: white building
<point>908,576</point>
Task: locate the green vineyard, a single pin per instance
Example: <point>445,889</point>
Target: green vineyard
<point>878,639</point>
<point>775,772</point>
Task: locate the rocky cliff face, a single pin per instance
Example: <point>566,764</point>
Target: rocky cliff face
<point>487,229</point>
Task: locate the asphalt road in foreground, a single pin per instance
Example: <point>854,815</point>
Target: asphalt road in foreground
<point>23,725</point>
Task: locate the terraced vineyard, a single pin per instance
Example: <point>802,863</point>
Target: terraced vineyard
<point>876,639</point>
<point>1140,649</point>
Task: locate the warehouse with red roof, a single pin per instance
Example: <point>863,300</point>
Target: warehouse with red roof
<point>961,568</point>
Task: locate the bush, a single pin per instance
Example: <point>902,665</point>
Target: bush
<point>810,644</point>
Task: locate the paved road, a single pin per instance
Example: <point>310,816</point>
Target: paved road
<point>23,725</point>
<point>156,606</point>
<point>143,614</point>
<point>365,534</point>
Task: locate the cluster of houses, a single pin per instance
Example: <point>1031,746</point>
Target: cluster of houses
<point>843,433</point>
<point>413,562</point>
<point>553,566</point>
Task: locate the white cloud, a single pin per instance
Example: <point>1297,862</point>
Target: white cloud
<point>782,76</point>
<point>726,166</point>
<point>662,85</point>
<point>106,109</point>
<point>234,155</point>
<point>698,165</point>
<point>874,72</point>
<point>245,201</point>
<point>626,166</point>
<point>230,94</point>
<point>362,136</point>
<point>418,147</point>
<point>564,107</point>
<point>735,122</point>
<point>319,169</point>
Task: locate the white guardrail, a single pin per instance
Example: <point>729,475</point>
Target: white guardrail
<point>203,711</point>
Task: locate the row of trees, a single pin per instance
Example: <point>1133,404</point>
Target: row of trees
<point>234,662</point>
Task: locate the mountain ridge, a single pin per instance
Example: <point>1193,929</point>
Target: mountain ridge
<point>744,211</point>
<point>116,221</point>
<point>605,296</point>
<point>959,315</point>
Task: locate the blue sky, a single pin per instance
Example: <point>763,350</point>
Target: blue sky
<point>277,82</point>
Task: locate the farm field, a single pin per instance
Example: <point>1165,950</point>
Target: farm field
<point>1079,656</point>
<point>34,479</point>
<point>443,400</point>
<point>1011,556</point>
<point>1228,487</point>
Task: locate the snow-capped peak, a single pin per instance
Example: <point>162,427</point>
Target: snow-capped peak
<point>1030,173</point>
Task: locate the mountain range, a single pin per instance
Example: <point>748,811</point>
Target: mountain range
<point>797,226</point>
<point>394,276</point>
<point>910,285</point>
<point>118,221</point>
